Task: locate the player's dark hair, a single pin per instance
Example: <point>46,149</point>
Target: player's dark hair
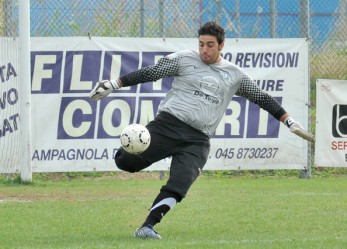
<point>212,28</point>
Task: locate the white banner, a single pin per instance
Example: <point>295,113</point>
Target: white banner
<point>81,135</point>
<point>9,106</point>
<point>331,123</point>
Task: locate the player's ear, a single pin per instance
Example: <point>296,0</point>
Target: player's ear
<point>221,46</point>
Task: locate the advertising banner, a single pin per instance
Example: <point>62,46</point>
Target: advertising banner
<point>9,106</point>
<point>73,133</point>
<point>331,123</point>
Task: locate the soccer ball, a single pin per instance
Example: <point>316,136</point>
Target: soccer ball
<point>135,138</point>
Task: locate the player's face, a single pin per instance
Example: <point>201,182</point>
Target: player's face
<point>209,49</point>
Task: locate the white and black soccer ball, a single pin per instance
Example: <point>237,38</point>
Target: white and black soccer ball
<point>135,138</point>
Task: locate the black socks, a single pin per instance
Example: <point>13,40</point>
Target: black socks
<point>161,205</point>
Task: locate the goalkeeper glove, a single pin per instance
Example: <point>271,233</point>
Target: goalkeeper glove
<point>297,129</point>
<point>103,88</point>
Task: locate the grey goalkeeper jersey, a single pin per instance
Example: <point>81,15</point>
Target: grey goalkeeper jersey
<point>200,92</point>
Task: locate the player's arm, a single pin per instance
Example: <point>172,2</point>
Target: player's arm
<point>165,67</point>
<point>252,92</point>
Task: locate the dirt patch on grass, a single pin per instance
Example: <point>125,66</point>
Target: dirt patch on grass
<point>13,200</point>
<point>139,175</point>
<point>100,176</point>
<point>70,187</point>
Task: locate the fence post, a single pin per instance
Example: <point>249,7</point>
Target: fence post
<point>25,91</point>
<point>2,18</point>
<point>238,14</point>
<point>272,18</point>
<point>304,29</point>
<point>304,18</point>
<point>342,26</point>
<point>219,12</point>
<point>142,19</point>
<point>161,19</point>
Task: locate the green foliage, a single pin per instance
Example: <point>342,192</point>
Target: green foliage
<point>10,179</point>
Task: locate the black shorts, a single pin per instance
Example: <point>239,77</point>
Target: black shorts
<point>170,137</point>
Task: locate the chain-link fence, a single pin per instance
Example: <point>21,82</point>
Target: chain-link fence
<point>325,22</point>
<point>9,85</point>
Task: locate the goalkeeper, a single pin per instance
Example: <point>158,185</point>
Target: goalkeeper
<point>188,116</point>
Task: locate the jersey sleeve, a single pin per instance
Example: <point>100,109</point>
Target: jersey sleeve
<point>253,93</point>
<point>165,67</point>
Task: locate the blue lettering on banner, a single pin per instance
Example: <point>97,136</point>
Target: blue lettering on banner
<point>123,62</point>
<point>10,97</point>
<point>9,124</point>
<point>270,85</point>
<point>6,72</point>
<point>234,120</point>
<point>148,108</point>
<point>115,113</point>
<point>76,118</point>
<point>81,118</point>
<point>46,68</point>
<point>254,60</point>
<point>239,115</point>
<point>70,154</point>
<point>81,70</point>
<point>270,125</point>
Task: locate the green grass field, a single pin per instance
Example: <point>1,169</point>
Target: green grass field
<point>219,212</point>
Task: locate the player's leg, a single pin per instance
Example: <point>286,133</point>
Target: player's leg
<point>162,144</point>
<point>159,148</point>
<point>164,130</point>
<point>130,162</point>
<point>186,166</point>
